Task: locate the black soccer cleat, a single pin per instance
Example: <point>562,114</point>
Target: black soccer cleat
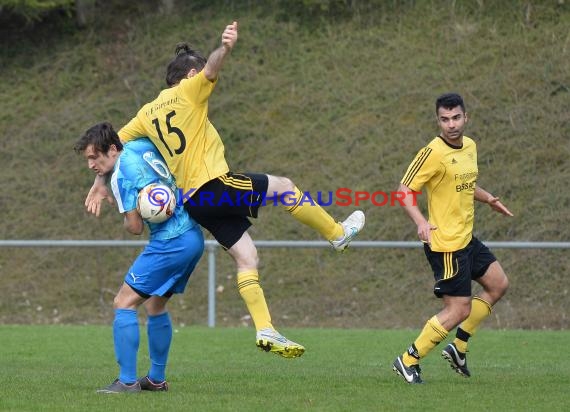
<point>148,385</point>
<point>457,360</point>
<point>411,374</point>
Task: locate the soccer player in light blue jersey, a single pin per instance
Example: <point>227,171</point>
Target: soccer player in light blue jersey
<point>161,270</point>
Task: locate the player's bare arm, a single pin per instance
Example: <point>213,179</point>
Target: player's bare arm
<point>133,222</point>
<point>414,212</point>
<point>481,195</point>
<point>96,195</point>
<point>216,58</point>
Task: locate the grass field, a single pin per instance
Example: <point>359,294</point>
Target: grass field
<point>55,368</point>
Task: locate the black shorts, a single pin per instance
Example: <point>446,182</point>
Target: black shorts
<point>453,271</point>
<point>223,205</point>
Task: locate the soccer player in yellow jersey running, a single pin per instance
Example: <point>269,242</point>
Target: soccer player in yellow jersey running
<point>218,199</point>
<point>447,167</point>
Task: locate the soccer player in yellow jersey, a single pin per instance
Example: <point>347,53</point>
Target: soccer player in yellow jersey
<point>218,199</point>
<point>447,168</point>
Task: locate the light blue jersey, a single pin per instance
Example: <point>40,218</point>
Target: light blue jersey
<point>139,165</point>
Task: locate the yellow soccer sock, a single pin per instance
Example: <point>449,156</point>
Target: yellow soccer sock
<point>432,334</point>
<point>252,294</point>
<point>460,344</point>
<point>480,310</point>
<point>309,212</point>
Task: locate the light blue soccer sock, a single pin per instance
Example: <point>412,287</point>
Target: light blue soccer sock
<point>126,338</point>
<point>159,329</point>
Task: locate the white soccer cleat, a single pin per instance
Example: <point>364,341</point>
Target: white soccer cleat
<point>351,226</point>
<point>269,340</point>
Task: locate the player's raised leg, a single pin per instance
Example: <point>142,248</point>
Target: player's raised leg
<point>310,213</point>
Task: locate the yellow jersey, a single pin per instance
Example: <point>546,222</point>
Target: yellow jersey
<point>449,174</point>
<point>178,125</point>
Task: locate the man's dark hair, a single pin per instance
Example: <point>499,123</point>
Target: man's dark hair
<point>101,136</point>
<point>449,101</point>
<point>185,60</point>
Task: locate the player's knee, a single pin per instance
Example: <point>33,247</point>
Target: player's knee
<point>281,184</point>
<point>155,308</point>
<point>126,301</point>
<point>118,303</point>
<point>253,261</point>
<point>249,260</point>
<point>288,184</point>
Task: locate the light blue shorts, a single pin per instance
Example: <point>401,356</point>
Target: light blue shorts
<point>164,266</point>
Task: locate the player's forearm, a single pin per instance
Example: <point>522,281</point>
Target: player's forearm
<point>215,63</point>
<point>415,214</point>
<point>411,207</point>
<point>216,59</point>
<point>481,195</point>
<point>101,180</point>
<point>133,223</point>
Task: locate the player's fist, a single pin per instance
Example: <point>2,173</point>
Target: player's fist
<point>230,35</point>
<point>424,232</point>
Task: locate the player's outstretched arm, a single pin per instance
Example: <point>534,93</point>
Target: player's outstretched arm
<point>96,195</point>
<point>216,58</point>
<point>483,196</point>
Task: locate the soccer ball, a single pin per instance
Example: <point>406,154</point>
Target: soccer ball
<point>156,203</point>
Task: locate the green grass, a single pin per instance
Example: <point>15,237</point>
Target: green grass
<point>55,368</point>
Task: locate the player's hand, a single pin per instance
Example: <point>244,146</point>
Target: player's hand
<point>497,206</point>
<point>95,198</point>
<point>424,232</point>
<point>230,36</point>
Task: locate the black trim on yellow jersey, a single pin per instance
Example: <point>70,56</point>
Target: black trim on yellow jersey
<point>407,180</point>
<point>449,144</point>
